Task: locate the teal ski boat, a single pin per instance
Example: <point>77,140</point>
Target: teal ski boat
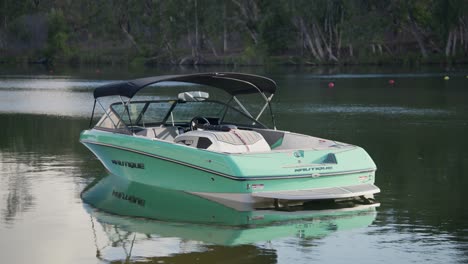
<point>210,143</point>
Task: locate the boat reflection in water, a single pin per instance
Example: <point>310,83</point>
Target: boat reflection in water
<point>133,214</point>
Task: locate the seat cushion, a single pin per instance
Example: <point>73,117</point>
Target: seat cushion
<point>233,141</point>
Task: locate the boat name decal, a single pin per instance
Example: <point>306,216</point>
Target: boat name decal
<point>129,164</point>
<point>130,198</point>
<point>313,169</point>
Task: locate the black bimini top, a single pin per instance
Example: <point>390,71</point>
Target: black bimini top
<point>230,82</point>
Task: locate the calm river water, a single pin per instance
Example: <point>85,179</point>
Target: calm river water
<point>416,130</point>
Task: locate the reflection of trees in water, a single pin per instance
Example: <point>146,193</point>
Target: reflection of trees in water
<point>222,254</point>
<point>19,200</point>
<point>36,146</point>
<point>17,186</point>
<point>197,252</point>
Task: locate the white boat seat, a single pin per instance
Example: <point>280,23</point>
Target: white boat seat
<point>164,133</point>
<point>233,141</point>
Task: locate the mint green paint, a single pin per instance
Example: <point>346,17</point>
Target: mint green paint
<point>171,175</point>
<point>191,217</point>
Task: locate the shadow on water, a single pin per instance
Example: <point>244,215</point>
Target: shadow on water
<point>126,207</point>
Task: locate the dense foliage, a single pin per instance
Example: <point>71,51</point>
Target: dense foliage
<point>234,31</point>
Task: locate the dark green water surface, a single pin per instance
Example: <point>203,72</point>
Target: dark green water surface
<point>415,130</point>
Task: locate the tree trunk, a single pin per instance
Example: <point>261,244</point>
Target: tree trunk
<point>169,49</point>
<point>421,44</point>
<point>5,7</point>
<point>36,3</point>
<point>327,46</point>
<point>307,39</point>
<point>454,43</point>
<point>338,45</point>
<point>373,48</point>
<point>129,36</point>
<point>192,45</point>
<point>350,47</point>
<point>461,35</point>
<point>339,33</point>
<point>330,34</point>
<point>211,45</point>
<point>197,39</point>
<point>465,38</point>
<point>318,43</point>
<point>302,41</point>
<point>225,35</point>
<point>414,29</point>
<point>250,14</point>
<point>2,43</point>
<point>448,45</point>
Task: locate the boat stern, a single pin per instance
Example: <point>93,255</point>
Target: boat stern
<point>302,175</point>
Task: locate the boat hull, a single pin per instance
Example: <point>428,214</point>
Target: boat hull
<point>256,178</point>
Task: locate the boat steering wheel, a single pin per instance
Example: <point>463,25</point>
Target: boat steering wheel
<point>198,120</point>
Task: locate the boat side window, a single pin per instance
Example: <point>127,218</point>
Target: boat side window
<point>116,118</point>
<point>155,113</point>
<point>110,121</point>
<point>236,117</point>
<point>142,114</point>
<point>134,108</point>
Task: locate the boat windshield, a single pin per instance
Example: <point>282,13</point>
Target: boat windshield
<point>172,112</point>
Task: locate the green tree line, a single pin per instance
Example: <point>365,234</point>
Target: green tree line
<point>234,31</point>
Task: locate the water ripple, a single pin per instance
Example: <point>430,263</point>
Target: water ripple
<point>362,109</point>
<point>11,84</point>
<point>378,75</point>
<point>49,84</point>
